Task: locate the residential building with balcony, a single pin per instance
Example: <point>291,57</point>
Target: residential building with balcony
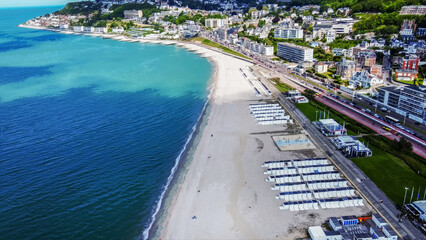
<point>413,10</point>
<point>294,53</point>
<point>364,79</point>
<point>288,33</point>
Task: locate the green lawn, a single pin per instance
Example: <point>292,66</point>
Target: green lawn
<point>391,174</point>
<point>282,87</point>
<point>406,82</point>
<point>217,45</point>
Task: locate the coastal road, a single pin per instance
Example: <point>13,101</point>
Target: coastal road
<point>370,191</point>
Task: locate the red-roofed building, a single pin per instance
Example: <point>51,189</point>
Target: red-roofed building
<point>410,63</point>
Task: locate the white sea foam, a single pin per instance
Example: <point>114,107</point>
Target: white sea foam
<point>160,200</point>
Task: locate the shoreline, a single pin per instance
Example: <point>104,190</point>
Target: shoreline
<point>183,161</point>
<point>185,44</point>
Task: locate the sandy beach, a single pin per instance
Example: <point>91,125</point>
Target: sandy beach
<point>223,193</point>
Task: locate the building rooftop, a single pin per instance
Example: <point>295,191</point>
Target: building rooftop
<point>420,205</point>
<point>346,236</point>
<point>390,231</point>
<point>294,46</point>
<point>329,121</point>
<point>378,232</point>
<point>331,233</point>
<point>379,218</point>
<point>391,89</point>
<point>316,231</point>
<point>417,88</point>
<point>347,140</point>
<point>352,217</point>
<point>362,235</point>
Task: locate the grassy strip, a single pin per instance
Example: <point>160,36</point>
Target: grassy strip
<point>389,172</point>
<point>297,76</point>
<point>217,45</point>
<point>310,109</point>
<point>281,86</point>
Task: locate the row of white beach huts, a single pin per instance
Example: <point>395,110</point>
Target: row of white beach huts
<point>323,203</point>
<point>269,114</point>
<point>307,184</point>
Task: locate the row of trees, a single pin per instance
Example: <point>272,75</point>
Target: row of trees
<point>386,23</point>
<point>83,8</point>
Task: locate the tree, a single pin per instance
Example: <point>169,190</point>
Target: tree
<point>114,25</point>
<point>276,20</point>
<point>403,145</point>
<point>357,8</point>
<point>379,57</point>
<point>309,93</point>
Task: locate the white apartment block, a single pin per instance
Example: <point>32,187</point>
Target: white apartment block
<point>78,29</point>
<point>267,50</point>
<point>132,14</point>
<point>294,53</point>
<point>255,47</point>
<point>330,36</point>
<point>288,33</point>
<point>216,23</point>
<point>342,28</point>
<point>259,14</point>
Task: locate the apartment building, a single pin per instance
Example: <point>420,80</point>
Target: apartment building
<point>294,53</point>
<point>288,33</point>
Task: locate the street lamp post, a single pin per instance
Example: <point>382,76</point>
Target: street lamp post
<point>405,195</point>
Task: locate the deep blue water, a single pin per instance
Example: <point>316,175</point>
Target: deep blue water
<point>89,130</point>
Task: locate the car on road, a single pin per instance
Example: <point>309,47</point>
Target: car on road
<point>376,115</point>
<point>383,109</point>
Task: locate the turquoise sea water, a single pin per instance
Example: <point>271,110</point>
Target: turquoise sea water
<point>90,129</point>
